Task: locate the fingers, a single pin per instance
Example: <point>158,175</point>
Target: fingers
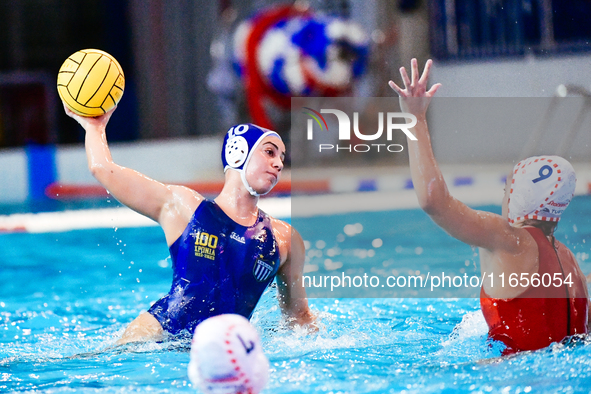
<point>110,112</point>
<point>426,71</point>
<point>67,110</point>
<point>405,78</point>
<point>414,66</point>
<point>433,89</point>
<point>415,85</point>
<point>396,88</point>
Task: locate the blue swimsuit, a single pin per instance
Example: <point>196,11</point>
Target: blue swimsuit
<point>218,267</point>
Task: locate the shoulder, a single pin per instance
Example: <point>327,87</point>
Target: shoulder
<point>182,203</point>
<point>288,238</point>
<point>514,249</point>
<point>280,226</point>
<point>513,240</point>
<point>184,200</point>
<point>185,193</point>
<point>520,243</point>
<point>565,252</point>
<point>178,211</point>
<point>284,230</point>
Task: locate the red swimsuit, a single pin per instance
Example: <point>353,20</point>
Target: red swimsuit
<point>541,315</point>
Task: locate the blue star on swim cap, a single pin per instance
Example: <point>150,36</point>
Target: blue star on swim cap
<point>239,143</point>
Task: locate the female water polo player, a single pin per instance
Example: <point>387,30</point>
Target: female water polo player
<point>520,242</point>
<point>225,251</point>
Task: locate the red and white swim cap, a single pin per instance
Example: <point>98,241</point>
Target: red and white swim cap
<point>541,189</point>
<point>227,357</point>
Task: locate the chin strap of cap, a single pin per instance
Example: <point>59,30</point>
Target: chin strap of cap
<point>243,170</point>
<point>248,187</point>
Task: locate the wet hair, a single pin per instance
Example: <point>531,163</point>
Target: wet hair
<point>546,227</point>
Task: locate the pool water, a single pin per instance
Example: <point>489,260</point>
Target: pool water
<point>66,297</point>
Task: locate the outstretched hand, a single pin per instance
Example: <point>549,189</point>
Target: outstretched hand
<point>85,121</point>
<point>415,97</point>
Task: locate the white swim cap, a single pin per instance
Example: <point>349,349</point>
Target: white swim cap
<point>541,189</point>
<point>227,356</point>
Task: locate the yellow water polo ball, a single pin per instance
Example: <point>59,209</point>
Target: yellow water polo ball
<point>90,82</point>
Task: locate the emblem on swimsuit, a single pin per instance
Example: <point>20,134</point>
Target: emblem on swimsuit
<point>237,238</point>
<point>263,270</point>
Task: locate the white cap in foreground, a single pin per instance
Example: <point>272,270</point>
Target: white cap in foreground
<point>227,356</point>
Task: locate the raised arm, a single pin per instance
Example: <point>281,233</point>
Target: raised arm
<point>168,205</point>
<point>292,294</point>
<point>483,229</point>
